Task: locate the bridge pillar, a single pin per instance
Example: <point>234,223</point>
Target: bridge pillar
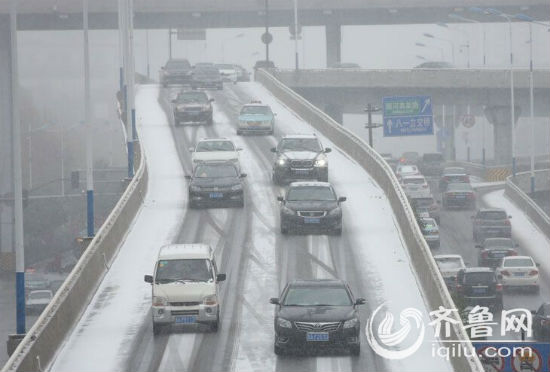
<point>336,112</point>
<point>499,116</point>
<point>333,34</point>
<point>7,259</point>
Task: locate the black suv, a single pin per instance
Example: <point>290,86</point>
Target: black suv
<point>298,157</point>
<point>491,223</point>
<point>311,206</point>
<point>493,250</point>
<point>215,183</point>
<point>479,286</point>
<point>432,164</point>
<point>176,71</point>
<point>207,78</point>
<point>192,107</point>
<point>541,322</point>
<point>317,314</point>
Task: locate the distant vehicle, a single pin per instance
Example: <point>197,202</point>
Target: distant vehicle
<point>228,72</point>
<point>311,206</point>
<point>422,212</point>
<point>427,202</point>
<point>430,231</point>
<point>449,265</point>
<point>242,74</point>
<point>38,300</point>
<point>184,287</point>
<point>493,250</point>
<point>432,164</point>
<point>34,281</point>
<point>345,65</point>
<point>193,107</point>
<point>409,158</point>
<point>390,160</point>
<point>491,223</point>
<point>264,64</point>
<point>479,286</point>
<point>459,195</point>
<point>541,322</point>
<point>519,272</point>
<point>299,157</point>
<point>207,78</point>
<point>256,118</point>
<point>215,149</point>
<point>317,314</point>
<point>412,184</point>
<point>176,71</point>
<point>201,65</point>
<point>406,170</point>
<point>215,184</point>
<point>435,65</point>
<point>453,175</point>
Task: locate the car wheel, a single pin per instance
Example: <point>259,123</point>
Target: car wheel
<point>271,131</point>
<point>278,350</point>
<point>355,350</point>
<point>239,132</point>
<point>214,326</point>
<point>324,177</point>
<point>193,204</point>
<point>157,329</point>
<point>277,179</point>
<point>210,121</point>
<point>284,229</point>
<point>240,204</point>
<point>337,231</point>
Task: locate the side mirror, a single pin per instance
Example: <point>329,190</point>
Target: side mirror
<point>509,216</point>
<point>342,199</point>
<point>273,149</point>
<point>466,263</point>
<point>499,276</point>
<point>274,301</point>
<point>274,114</point>
<point>239,149</point>
<point>162,67</point>
<point>327,150</point>
<point>148,279</point>
<point>360,301</point>
<point>243,175</point>
<point>211,100</point>
<point>221,277</point>
<point>280,198</point>
<point>191,149</point>
<point>538,264</point>
<point>187,177</point>
<point>479,246</point>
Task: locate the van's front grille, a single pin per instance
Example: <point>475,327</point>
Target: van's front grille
<point>184,303</point>
<point>185,312</point>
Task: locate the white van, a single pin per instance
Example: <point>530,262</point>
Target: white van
<point>185,287</point>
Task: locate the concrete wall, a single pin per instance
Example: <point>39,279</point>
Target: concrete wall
<point>430,280</point>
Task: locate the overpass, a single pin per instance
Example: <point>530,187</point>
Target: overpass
<point>484,92</point>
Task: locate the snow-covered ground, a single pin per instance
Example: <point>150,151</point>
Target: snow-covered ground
<point>102,337</point>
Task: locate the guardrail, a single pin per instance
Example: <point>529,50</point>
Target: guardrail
<point>42,341</point>
<point>431,282</point>
<point>514,192</point>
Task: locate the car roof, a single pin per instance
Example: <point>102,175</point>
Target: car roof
<point>445,256</point>
<point>206,139</point>
<point>478,270</point>
<point>412,177</point>
<point>501,240</point>
<point>185,251</point>
<point>317,283</point>
<point>309,183</point>
<point>509,258</point>
<point>491,210</point>
<point>300,136</point>
<point>41,291</point>
<point>255,105</point>
<point>429,219</point>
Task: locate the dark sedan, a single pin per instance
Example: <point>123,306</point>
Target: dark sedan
<point>216,183</point>
<point>459,195</point>
<point>207,78</point>
<point>192,107</point>
<point>479,286</point>
<point>491,223</point>
<point>313,314</point>
<point>311,206</point>
<point>493,250</point>
<point>541,322</point>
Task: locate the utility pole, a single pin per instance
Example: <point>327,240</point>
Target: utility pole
<point>369,110</point>
<point>170,43</point>
<point>88,124</point>
<point>296,31</point>
<point>267,28</point>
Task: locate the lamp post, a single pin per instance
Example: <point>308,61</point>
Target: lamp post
<point>422,45</point>
<point>296,33</point>
<point>484,31</point>
<point>451,43</point>
<point>88,124</point>
<point>467,37</point>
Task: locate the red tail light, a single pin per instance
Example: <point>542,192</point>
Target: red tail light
<point>505,272</point>
<point>511,252</point>
<point>499,287</point>
<point>467,179</point>
<point>507,223</point>
<point>425,186</point>
<point>533,272</point>
<point>459,288</point>
<point>402,160</point>
<point>485,254</point>
<point>471,196</point>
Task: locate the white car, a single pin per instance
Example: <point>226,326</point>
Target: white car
<point>414,184</point>
<point>406,170</point>
<point>228,72</point>
<point>38,300</point>
<point>518,271</point>
<point>184,287</point>
<point>215,149</point>
<point>449,265</point>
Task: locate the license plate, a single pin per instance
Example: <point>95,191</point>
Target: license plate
<point>518,274</point>
<point>460,197</point>
<point>312,220</point>
<point>493,231</point>
<point>186,319</point>
<point>317,336</point>
<point>301,171</point>
<point>478,291</point>
<point>216,195</point>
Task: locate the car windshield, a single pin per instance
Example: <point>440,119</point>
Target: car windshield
<point>448,263</point>
<point>410,155</point>
<point>192,270</point>
<point>225,67</point>
<point>479,278</point>
<point>317,296</point>
<point>255,110</point>
<point>408,169</point>
<point>39,295</point>
<point>415,180</point>
<point>454,170</point>
<point>492,215</point>
<point>498,242</point>
<point>207,72</point>
<point>177,64</point>
<point>205,146</point>
<point>198,97</point>
<point>518,262</point>
<point>461,187</point>
<point>215,171</point>
<point>300,144</point>
<point>311,193</point>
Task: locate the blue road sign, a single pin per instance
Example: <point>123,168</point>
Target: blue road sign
<point>408,116</point>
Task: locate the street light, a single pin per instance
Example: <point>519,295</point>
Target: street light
<point>464,19</point>
<point>467,37</point>
<point>452,45</point>
<point>296,31</point>
<point>422,45</point>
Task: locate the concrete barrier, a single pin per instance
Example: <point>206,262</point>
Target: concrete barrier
<point>514,190</point>
<point>42,341</point>
<point>430,280</point>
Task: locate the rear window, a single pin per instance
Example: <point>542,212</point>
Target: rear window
<point>416,181</point>
<point>449,263</point>
<point>479,278</point>
<point>519,262</point>
<point>317,296</point>
<point>492,215</point>
<point>422,202</point>
<point>463,187</point>
<point>495,242</point>
<point>432,157</point>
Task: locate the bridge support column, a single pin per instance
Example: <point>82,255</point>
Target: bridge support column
<point>7,258</point>
<point>499,116</point>
<point>336,112</point>
<point>333,34</point>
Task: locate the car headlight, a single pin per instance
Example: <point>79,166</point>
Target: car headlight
<point>194,188</point>
<point>180,107</point>
<point>160,301</point>
<point>321,161</point>
<point>287,210</point>
<point>281,161</point>
<point>351,323</point>
<point>237,187</point>
<point>283,323</point>
<point>210,300</point>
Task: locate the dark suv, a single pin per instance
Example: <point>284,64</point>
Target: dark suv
<point>491,223</point>
<point>432,164</point>
<point>311,206</point>
<point>317,314</point>
<point>192,107</point>
<point>299,157</point>
<point>479,286</point>
<point>176,71</point>
<point>493,250</point>
<point>207,78</point>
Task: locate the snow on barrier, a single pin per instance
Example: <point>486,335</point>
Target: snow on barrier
<point>513,189</point>
<point>42,341</point>
<point>433,287</point>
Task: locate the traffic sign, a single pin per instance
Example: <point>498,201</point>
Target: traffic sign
<point>468,120</point>
<point>267,38</point>
<point>408,116</point>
